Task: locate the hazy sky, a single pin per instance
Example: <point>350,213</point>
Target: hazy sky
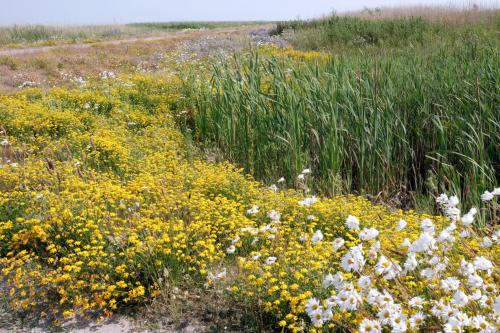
<point>123,11</point>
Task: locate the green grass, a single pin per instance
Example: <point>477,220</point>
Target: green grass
<point>416,111</point>
<point>344,33</point>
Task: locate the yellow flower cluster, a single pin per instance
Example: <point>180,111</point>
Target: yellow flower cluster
<point>293,54</point>
<point>99,194</point>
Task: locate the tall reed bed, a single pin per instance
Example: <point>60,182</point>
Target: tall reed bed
<point>397,126</point>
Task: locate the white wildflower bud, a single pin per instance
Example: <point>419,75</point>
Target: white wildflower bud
<point>401,225</point>
<point>487,196</point>
<point>486,242</point>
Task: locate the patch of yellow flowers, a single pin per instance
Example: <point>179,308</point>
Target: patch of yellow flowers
<point>99,194</point>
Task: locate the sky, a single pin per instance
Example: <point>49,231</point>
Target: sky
<point>126,11</point>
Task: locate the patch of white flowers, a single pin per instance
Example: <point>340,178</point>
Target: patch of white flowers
<point>457,300</point>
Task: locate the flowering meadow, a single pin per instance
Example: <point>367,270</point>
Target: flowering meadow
<point>104,196</point>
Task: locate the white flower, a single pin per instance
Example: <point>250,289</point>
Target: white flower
<point>306,171</point>
<point>4,142</point>
<point>416,302</point>
<point>438,308</point>
<point>271,260</point>
<point>394,271</point>
<point>373,252</point>
<point>317,237</point>
<point>474,281</point>
<point>310,217</point>
<point>313,305</point>
<point>353,260</point>
<point>253,210</point>
<point>417,320</point>
<point>427,226</point>
<point>398,323</point>
<point>348,299</point>
<point>317,318</point>
<point>274,215</point>
<point>476,295</point>
<point>485,302</point>
<point>273,188</point>
<point>472,211</point>
<point>480,323</point>
<point>496,191</point>
<point>486,242</point>
<point>256,256</point>
<point>496,305</point>
<point>406,243</point>
<point>453,201</point>
<point>338,281</point>
<point>466,268</point>
<point>372,297</point>
<point>423,244</point>
<point>364,281</point>
<point>338,243</point>
<point>383,265</point>
<point>301,177</point>
<point>231,249</point>
<point>445,236</point>
<point>328,281</point>
<point>487,196</point>
<point>450,327</point>
<point>442,199</point>
<point>386,314</point>
<point>401,225</point>
<point>489,288</point>
<point>450,284</point>
<point>308,201</point>
<point>327,315</point>
<point>352,223</point>
<point>411,262</point>
<point>460,299</point>
<point>370,326</point>
<point>464,234</point>
<point>385,299</point>
<point>368,234</point>
<point>281,180</point>
<point>428,273</point>
<point>482,264</point>
<point>467,219</point>
<point>453,213</point>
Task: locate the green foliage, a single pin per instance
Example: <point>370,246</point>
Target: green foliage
<point>338,33</point>
<point>381,124</point>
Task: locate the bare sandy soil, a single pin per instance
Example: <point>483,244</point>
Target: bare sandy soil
<point>115,325</point>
